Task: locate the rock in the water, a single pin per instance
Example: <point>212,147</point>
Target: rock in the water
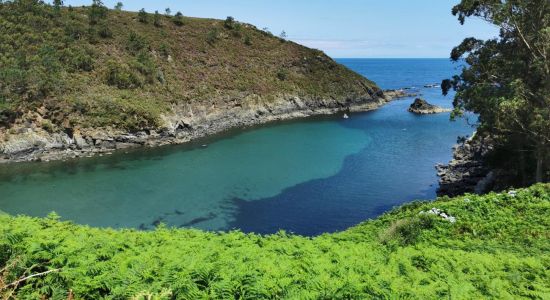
<point>421,106</point>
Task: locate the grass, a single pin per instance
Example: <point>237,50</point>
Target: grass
<point>498,248</point>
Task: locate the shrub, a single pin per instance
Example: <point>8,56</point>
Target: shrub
<point>229,23</point>
<point>164,50</point>
<point>406,231</point>
<point>121,76</point>
<point>136,43</point>
<point>156,19</point>
<point>212,36</point>
<point>119,6</point>
<point>75,30</point>
<point>282,74</point>
<point>47,125</point>
<point>145,64</point>
<point>78,59</point>
<point>178,19</point>
<point>97,12</point>
<point>104,31</point>
<point>143,16</point>
<point>247,40</point>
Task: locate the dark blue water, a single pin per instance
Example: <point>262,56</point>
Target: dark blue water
<point>308,176</point>
<point>397,167</point>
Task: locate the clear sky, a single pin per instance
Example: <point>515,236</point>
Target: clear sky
<point>341,28</point>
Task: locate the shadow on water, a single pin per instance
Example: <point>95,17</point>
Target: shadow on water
<point>324,205</point>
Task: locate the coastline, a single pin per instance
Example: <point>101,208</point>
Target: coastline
<point>182,125</point>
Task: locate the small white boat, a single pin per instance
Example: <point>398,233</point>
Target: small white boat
<point>346,116</point>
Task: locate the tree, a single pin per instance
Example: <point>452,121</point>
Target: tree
<point>229,23</point>
<point>283,35</point>
<point>119,6</point>
<point>507,80</point>
<point>156,19</point>
<point>57,5</point>
<point>142,16</point>
<point>178,19</point>
<point>168,12</point>
<point>97,12</point>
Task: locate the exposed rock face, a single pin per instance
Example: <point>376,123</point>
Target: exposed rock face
<point>466,172</point>
<point>421,106</point>
<point>182,124</point>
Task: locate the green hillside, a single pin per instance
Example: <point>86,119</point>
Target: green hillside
<point>93,67</point>
<point>498,247</point>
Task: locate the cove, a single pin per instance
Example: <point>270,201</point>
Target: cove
<point>308,176</point>
<point>181,186</point>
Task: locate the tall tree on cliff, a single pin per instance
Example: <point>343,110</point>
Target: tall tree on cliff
<point>507,80</point>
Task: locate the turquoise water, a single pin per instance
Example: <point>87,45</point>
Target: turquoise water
<point>306,176</point>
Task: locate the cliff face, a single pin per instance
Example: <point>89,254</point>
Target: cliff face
<point>182,124</point>
<point>91,78</point>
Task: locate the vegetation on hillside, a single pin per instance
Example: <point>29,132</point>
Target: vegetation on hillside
<point>91,66</point>
<point>497,246</point>
<point>507,82</point>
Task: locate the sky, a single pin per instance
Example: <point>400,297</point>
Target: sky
<point>341,28</point>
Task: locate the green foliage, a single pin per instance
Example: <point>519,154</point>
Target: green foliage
<point>497,249</point>
<point>247,40</point>
<point>157,19</point>
<point>229,23</point>
<point>145,64</point>
<point>178,19</point>
<point>507,82</point>
<point>212,36</point>
<point>57,4</point>
<point>164,50</point>
<point>143,17</point>
<point>104,31</point>
<point>406,231</point>
<point>136,43</point>
<point>122,76</point>
<point>97,12</point>
<point>282,74</point>
<point>119,6</point>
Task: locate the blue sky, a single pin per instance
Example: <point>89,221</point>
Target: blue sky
<point>341,28</point>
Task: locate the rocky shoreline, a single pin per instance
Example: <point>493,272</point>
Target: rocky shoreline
<point>466,172</point>
<point>183,124</point>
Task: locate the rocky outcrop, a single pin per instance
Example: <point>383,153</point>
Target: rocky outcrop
<point>182,124</point>
<point>421,106</point>
<point>466,172</point>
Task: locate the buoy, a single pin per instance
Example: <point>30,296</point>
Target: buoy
<point>346,116</point>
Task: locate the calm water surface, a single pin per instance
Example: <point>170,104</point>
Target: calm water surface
<point>308,176</point>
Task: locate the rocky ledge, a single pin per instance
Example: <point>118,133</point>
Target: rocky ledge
<point>421,106</point>
<point>183,124</point>
<point>466,172</point>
